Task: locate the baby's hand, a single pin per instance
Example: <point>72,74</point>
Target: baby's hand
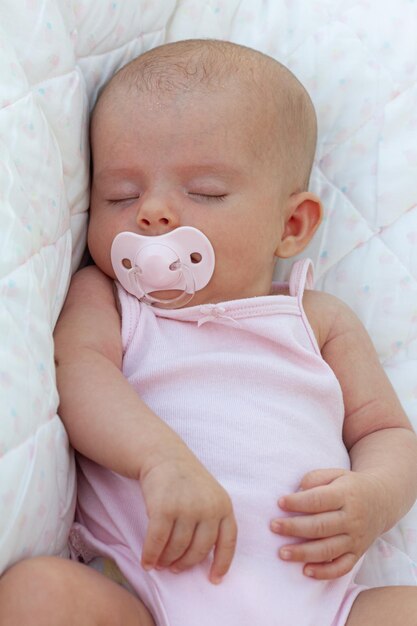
<point>342,516</point>
<point>189,514</point>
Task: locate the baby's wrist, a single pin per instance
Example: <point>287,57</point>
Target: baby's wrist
<point>168,450</point>
<point>379,501</point>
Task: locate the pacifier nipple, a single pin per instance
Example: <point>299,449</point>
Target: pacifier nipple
<point>181,261</point>
<point>159,266</point>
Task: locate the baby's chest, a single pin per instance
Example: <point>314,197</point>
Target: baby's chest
<point>250,406</point>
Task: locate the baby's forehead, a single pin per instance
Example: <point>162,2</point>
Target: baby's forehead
<point>232,114</point>
<point>236,96</point>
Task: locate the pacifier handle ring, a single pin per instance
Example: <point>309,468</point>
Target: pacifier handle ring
<point>184,297</point>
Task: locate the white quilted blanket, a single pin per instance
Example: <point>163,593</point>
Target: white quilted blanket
<point>358,60</point>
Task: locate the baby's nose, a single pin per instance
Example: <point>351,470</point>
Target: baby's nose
<point>156,217</point>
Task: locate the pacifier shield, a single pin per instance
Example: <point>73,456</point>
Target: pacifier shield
<point>181,260</point>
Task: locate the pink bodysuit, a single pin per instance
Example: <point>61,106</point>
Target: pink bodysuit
<point>245,386</point>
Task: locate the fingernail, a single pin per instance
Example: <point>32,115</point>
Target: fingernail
<point>281,502</point>
<point>276,526</point>
<point>216,580</point>
<point>285,554</point>
<point>309,572</point>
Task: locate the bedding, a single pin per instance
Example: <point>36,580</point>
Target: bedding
<point>357,58</point>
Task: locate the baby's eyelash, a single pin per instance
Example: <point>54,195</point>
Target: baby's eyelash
<point>120,200</point>
<point>207,196</point>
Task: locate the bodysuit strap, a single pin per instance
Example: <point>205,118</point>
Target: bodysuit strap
<point>301,277</point>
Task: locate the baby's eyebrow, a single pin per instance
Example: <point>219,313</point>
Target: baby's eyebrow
<point>115,174</point>
<point>224,171</point>
<point>219,170</point>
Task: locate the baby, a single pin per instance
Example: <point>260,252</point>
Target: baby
<point>236,436</point>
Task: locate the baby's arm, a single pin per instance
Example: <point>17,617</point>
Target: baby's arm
<point>189,512</point>
<point>344,511</point>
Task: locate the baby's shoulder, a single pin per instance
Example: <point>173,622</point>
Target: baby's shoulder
<point>89,276</point>
<point>328,315</point>
<point>91,289</point>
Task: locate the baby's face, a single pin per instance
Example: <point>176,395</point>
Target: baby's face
<point>198,160</point>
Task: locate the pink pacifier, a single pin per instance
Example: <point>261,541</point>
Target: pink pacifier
<point>181,260</point>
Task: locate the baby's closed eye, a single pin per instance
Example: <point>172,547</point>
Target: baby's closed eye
<point>127,200</point>
<point>216,197</point>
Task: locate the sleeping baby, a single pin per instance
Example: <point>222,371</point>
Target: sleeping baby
<point>239,445</point>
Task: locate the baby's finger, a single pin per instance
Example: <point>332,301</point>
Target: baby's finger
<point>224,549</point>
<point>315,500</point>
<point>159,531</point>
<point>311,526</point>
<point>319,551</point>
<point>335,569</point>
<point>318,477</point>
<point>177,544</point>
<point>202,543</point>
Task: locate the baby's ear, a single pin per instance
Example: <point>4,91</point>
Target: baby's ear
<point>303,216</point>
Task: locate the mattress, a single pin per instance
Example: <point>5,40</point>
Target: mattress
<point>357,58</point>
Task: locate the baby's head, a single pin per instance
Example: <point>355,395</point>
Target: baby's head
<point>212,135</point>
